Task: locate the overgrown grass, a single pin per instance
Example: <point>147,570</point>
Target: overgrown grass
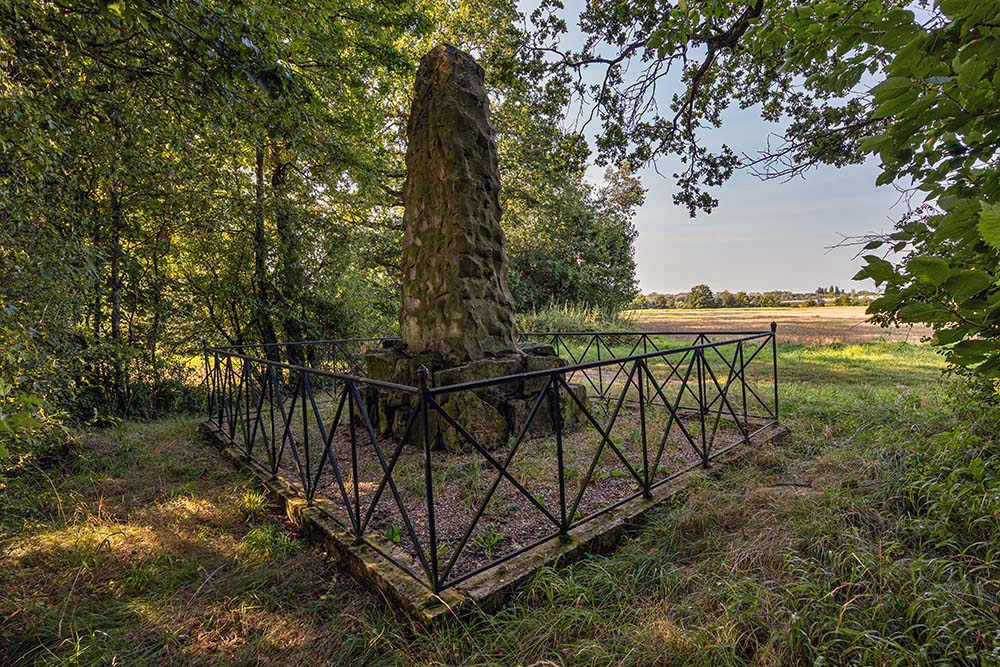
<point>569,317</point>
<point>869,536</point>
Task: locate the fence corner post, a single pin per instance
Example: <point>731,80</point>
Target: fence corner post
<point>774,366</point>
<point>208,378</point>
<point>555,412</point>
<point>423,377</point>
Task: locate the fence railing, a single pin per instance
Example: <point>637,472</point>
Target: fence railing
<point>443,496</point>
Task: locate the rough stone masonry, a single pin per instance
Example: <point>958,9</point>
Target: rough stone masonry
<point>456,302</point>
<point>457,315</point>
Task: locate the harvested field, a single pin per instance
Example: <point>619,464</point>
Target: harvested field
<point>812,326</point>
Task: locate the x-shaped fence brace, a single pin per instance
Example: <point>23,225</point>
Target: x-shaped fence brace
<point>263,404</point>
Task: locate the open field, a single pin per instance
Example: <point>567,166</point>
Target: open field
<point>869,536</point>
<point>816,326</point>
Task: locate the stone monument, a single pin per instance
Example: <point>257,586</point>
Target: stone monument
<point>457,315</point>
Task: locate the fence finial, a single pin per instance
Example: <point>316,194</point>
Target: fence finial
<point>774,327</point>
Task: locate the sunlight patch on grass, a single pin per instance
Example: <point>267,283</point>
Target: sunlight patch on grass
<point>852,540</point>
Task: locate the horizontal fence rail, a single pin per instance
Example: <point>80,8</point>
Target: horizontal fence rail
<point>474,473</point>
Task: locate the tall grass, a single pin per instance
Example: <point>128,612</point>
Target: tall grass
<point>569,317</point>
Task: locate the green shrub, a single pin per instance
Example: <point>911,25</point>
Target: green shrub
<point>27,429</point>
<point>119,382</point>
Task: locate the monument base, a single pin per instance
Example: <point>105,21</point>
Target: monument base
<point>492,415</point>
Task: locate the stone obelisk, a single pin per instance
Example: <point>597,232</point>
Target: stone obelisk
<point>457,315</point>
<point>456,301</point>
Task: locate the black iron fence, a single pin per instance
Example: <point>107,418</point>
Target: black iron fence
<point>445,497</point>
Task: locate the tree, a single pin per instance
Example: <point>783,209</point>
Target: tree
<point>661,300</point>
<point>175,173</point>
<point>700,296</point>
<point>726,299</point>
<point>202,172</point>
<point>577,247</point>
<point>929,118</point>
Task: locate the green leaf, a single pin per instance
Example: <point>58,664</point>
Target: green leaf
<point>885,178</point>
<point>874,143</point>
<point>989,224</point>
<point>931,270</point>
<point>877,269</point>
<point>958,222</point>
<point>955,7</point>
<point>949,336</point>
<point>22,420</point>
<point>973,351</point>
<point>918,312</point>
<point>884,304</point>
<point>967,283</point>
<point>894,84</point>
<point>894,105</point>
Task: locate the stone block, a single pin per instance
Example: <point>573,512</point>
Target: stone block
<point>571,410</point>
<point>381,365</point>
<point>481,369</point>
<point>536,384</point>
<point>491,414</point>
<point>480,419</point>
<point>534,349</point>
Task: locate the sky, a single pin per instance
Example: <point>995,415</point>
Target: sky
<point>774,235</point>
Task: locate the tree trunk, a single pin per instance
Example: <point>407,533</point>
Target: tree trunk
<point>290,271</point>
<point>160,249</point>
<point>118,384</point>
<point>98,270</point>
<point>116,281</point>
<point>265,325</point>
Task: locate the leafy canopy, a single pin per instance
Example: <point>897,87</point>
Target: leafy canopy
<point>914,85</point>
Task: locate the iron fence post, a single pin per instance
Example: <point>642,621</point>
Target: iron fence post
<point>306,394</point>
<point>600,369</point>
<point>700,361</point>
<point>423,376</point>
<point>246,407</point>
<point>220,387</point>
<point>774,365</point>
<point>352,421</point>
<point>208,379</point>
<point>743,383</point>
<point>555,410</point>
<point>640,371</point>
<point>272,394</point>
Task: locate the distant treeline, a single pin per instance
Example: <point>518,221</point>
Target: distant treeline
<point>702,296</point>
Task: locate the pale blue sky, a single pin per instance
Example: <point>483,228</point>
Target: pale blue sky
<point>763,235</point>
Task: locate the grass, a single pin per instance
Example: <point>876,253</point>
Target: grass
<point>869,536</point>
